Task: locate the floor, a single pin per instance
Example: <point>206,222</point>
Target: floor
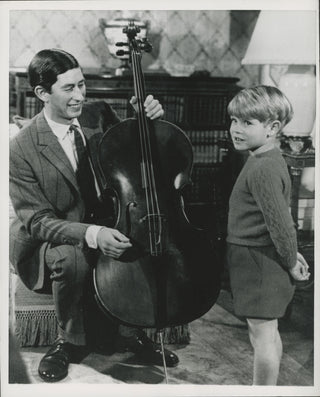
<point>219,353</point>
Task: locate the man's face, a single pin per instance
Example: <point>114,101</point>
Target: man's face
<point>65,101</point>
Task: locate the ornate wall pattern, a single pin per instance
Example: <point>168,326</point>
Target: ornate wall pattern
<point>209,40</point>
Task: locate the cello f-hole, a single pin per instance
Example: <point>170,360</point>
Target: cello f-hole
<point>128,217</point>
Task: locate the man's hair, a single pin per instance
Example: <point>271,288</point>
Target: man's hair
<point>264,103</point>
<point>47,64</point>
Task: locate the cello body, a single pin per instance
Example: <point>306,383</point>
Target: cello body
<point>141,288</point>
<point>170,275</point>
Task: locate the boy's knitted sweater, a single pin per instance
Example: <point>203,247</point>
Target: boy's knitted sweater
<point>259,206</point>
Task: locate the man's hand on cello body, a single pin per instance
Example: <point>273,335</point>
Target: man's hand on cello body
<point>111,242</point>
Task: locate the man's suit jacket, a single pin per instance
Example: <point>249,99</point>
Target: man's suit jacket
<point>44,191</point>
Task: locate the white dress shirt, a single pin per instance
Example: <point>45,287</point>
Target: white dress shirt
<point>67,142</point>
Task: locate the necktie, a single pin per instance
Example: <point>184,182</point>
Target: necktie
<point>84,173</point>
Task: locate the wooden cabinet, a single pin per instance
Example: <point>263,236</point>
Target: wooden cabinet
<point>197,104</point>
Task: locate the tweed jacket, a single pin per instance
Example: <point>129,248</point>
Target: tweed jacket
<point>44,191</point>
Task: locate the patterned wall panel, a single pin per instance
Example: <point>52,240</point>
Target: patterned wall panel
<point>204,40</point>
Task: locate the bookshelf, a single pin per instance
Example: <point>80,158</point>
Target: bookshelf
<point>197,104</point>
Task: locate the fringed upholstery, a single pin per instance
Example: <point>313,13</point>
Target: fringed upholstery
<point>36,325</point>
<point>173,335</point>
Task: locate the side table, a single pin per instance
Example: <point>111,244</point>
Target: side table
<point>296,163</point>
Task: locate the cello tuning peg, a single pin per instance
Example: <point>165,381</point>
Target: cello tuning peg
<point>145,45</point>
<point>122,52</point>
<point>121,44</point>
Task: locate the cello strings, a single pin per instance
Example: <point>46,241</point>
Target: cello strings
<point>144,152</point>
<point>147,154</point>
<point>157,226</point>
<point>158,220</point>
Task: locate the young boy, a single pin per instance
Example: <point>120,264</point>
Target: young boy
<point>261,243</point>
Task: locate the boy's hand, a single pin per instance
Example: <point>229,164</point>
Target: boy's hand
<point>300,271</point>
<point>152,107</point>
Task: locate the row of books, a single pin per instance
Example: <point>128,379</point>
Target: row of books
<point>209,146</point>
<point>205,185</point>
<point>197,110</point>
<point>306,214</point>
<point>32,106</point>
<point>174,108</point>
<point>212,109</point>
<point>207,137</point>
<point>119,105</point>
<point>209,154</point>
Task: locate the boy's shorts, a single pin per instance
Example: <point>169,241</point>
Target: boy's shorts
<point>260,286</point>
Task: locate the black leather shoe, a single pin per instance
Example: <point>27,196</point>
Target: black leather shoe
<point>54,364</point>
<point>146,350</point>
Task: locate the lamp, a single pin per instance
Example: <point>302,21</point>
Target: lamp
<point>113,33</point>
<point>288,38</point>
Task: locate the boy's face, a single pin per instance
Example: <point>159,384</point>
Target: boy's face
<point>66,98</point>
<point>249,134</point>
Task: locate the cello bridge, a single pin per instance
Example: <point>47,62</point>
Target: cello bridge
<point>155,223</point>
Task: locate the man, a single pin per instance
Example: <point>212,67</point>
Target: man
<point>55,237</point>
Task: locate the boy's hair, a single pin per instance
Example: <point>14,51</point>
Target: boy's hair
<point>264,103</point>
<point>46,65</point>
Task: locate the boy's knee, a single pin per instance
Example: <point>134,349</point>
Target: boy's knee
<point>262,332</point>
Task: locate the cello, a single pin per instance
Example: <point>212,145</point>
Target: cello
<point>171,274</point>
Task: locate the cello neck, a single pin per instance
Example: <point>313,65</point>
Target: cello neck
<point>135,58</point>
<point>153,217</point>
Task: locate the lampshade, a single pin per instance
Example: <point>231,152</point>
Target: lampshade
<point>288,38</point>
<point>283,37</point>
